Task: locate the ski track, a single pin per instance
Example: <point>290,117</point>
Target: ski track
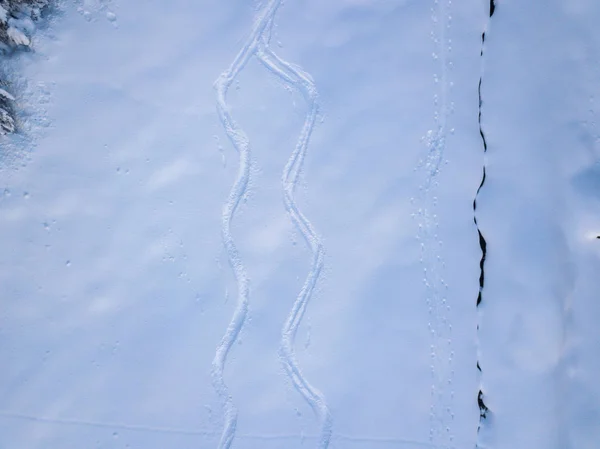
<point>440,326</point>
<point>258,45</point>
<point>242,145</point>
<point>300,80</point>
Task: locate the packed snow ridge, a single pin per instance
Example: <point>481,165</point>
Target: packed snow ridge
<point>17,24</point>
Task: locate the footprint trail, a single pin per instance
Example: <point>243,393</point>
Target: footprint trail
<point>432,262</point>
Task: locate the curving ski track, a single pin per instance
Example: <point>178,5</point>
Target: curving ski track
<point>300,80</point>
<point>257,45</point>
<point>241,143</point>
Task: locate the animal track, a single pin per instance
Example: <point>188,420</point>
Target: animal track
<point>432,262</point>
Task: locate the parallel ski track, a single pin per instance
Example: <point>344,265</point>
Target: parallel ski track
<point>258,45</point>
<point>298,79</point>
<point>242,145</point>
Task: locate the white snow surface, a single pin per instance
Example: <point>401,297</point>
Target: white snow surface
<point>539,212</point>
<point>130,227</point>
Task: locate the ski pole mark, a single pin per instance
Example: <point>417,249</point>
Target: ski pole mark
<point>436,289</point>
<point>298,79</point>
<point>258,45</point>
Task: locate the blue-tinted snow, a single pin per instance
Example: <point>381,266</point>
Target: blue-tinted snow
<point>117,286</point>
<point>539,340</point>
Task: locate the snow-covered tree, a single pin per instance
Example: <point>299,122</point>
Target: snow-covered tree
<point>17,24</point>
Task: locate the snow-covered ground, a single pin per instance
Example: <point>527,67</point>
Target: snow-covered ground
<point>539,210</point>
<point>129,225</point>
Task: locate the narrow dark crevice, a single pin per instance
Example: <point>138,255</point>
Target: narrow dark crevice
<point>483,408</point>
